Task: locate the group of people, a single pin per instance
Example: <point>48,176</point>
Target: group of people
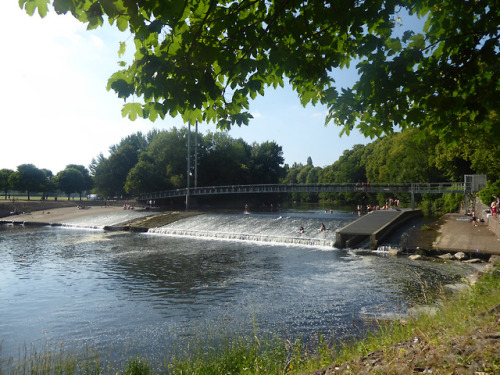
<point>389,204</point>
<point>322,228</point>
<point>128,207</point>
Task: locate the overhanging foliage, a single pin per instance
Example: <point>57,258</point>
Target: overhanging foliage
<point>205,59</point>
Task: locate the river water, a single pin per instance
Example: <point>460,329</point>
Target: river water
<point>150,293</point>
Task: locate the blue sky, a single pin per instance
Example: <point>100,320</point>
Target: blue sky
<point>56,110</point>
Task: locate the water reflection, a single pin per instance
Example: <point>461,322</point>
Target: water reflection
<point>143,293</point>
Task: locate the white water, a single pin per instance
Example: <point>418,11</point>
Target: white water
<point>281,228</point>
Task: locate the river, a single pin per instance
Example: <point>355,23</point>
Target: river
<point>150,294</point>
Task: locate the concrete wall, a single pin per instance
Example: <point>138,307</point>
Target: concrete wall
<point>492,222</point>
<point>494,226</point>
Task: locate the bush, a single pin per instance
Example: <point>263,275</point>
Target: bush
<point>491,190</point>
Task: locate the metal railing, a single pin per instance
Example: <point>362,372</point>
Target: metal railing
<point>404,188</point>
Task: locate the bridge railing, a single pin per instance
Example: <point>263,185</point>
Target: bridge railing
<point>405,188</point>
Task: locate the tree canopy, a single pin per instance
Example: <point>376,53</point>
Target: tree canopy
<point>160,164</point>
<point>205,59</point>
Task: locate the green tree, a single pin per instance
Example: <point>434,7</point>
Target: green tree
<point>27,178</point>
<point>88,183</point>
<point>205,59</point>
<point>490,192</point>
<point>70,180</point>
<point>110,174</point>
<point>144,178</point>
<point>267,160</point>
<point>48,183</point>
<point>224,160</point>
<point>472,155</point>
<point>138,141</point>
<point>168,152</point>
<point>349,167</point>
<point>4,180</point>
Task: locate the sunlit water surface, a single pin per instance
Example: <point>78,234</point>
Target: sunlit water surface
<point>148,294</point>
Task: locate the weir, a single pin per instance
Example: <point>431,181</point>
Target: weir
<point>375,225</point>
<point>260,228</point>
<point>243,237</point>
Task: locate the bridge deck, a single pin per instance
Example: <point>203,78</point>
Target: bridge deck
<point>377,225</point>
<point>409,188</point>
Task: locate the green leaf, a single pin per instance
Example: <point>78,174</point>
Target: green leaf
<point>122,49</point>
<point>394,44</point>
<point>122,23</point>
<point>132,110</point>
<point>417,41</point>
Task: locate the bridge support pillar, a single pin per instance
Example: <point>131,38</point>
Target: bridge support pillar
<point>412,198</point>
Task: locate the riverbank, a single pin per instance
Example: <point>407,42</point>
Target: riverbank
<point>455,232</point>
<point>460,335</point>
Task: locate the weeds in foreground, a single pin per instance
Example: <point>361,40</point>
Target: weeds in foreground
<point>449,341</point>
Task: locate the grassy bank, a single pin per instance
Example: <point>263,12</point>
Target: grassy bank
<point>460,335</point>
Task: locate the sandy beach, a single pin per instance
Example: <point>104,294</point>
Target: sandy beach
<point>62,215</point>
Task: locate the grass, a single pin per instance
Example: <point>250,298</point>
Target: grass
<point>461,337</point>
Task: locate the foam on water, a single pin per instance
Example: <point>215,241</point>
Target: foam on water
<point>267,228</point>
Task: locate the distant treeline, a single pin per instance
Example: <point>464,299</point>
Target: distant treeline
<point>410,156</point>
<point>157,161</point>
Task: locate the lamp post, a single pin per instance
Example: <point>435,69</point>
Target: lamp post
<point>188,164</point>
<point>196,155</point>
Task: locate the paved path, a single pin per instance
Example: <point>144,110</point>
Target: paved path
<point>459,234</point>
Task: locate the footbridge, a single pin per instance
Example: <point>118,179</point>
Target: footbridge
<point>471,184</point>
<point>431,188</point>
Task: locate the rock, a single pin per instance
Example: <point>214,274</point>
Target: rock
<point>419,251</point>
<point>489,267</point>
<point>472,279</point>
<point>494,259</point>
<point>416,257</point>
<point>394,251</point>
<point>455,288</point>
<point>473,260</point>
<point>446,256</point>
<point>460,255</point>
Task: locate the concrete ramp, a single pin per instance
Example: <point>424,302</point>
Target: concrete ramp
<point>375,225</point>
